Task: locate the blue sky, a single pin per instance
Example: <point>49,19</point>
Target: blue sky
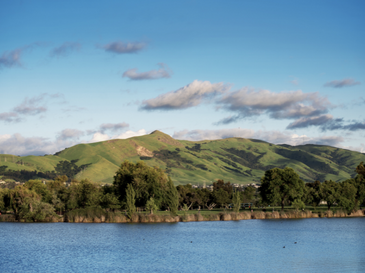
<point>84,71</point>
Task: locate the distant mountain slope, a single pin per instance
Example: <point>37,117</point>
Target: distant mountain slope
<point>237,160</point>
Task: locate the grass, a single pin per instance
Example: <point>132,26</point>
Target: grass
<point>217,156</point>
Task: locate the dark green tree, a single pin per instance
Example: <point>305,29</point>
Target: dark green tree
<point>40,188</point>
<point>346,196</point>
<point>281,186</point>
<point>147,182</point>
<point>221,197</point>
<point>329,192</point>
<point>236,200</point>
<point>312,193</point>
<point>220,184</point>
<point>130,200</point>
<point>69,168</point>
<point>151,206</point>
<point>360,169</point>
<point>249,194</point>
<point>359,183</point>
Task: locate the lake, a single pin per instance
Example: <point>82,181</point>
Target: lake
<point>322,245</point>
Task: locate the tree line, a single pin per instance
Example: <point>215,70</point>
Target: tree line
<point>284,187</point>
<point>138,186</point>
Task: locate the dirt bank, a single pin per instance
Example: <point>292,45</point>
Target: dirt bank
<point>154,218</point>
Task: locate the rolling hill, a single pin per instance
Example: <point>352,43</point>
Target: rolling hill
<point>237,160</point>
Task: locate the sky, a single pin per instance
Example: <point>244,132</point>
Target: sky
<point>75,72</point>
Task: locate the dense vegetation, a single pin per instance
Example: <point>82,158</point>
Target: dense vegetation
<point>140,187</point>
<point>283,186</point>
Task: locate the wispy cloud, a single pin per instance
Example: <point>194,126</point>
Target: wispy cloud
<point>327,123</point>
<point>11,58</point>
<point>29,107</point>
<point>65,49</point>
<point>310,121</point>
<point>188,96</point>
<point>10,117</point>
<point>196,135</point>
<point>113,127</point>
<point>108,127</point>
<point>355,126</point>
<point>163,72</point>
<point>341,83</point>
<point>123,47</point>
<point>285,105</point>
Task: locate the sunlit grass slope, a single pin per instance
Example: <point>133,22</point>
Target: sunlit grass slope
<point>235,159</point>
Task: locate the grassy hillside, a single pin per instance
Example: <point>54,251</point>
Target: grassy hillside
<point>237,160</point>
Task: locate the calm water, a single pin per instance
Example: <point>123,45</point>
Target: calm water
<point>323,245</point>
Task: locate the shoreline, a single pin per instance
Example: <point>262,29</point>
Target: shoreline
<point>197,217</point>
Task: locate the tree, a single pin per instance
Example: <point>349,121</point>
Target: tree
<point>329,192</point>
<point>298,204</point>
<point>89,194</point>
<point>221,197</point>
<point>20,198</point>
<point>131,200</point>
<point>110,201</point>
<point>187,195</point>
<point>225,186</point>
<point>346,196</point>
<point>248,194</point>
<point>360,169</point>
<point>312,193</point>
<point>69,168</point>
<point>3,193</point>
<point>39,188</point>
<point>38,212</point>
<point>359,183</point>
<point>171,199</point>
<point>236,200</point>
<point>151,206</point>
<point>147,182</point>
<point>281,186</point>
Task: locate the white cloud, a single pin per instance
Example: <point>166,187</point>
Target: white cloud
<point>97,137</point>
<point>188,96</point>
<point>70,134</point>
<point>285,105</point>
<point>16,144</point>
<point>129,134</point>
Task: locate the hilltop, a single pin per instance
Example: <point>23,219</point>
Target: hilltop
<point>238,160</point>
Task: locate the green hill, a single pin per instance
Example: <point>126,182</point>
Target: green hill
<point>237,160</point>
